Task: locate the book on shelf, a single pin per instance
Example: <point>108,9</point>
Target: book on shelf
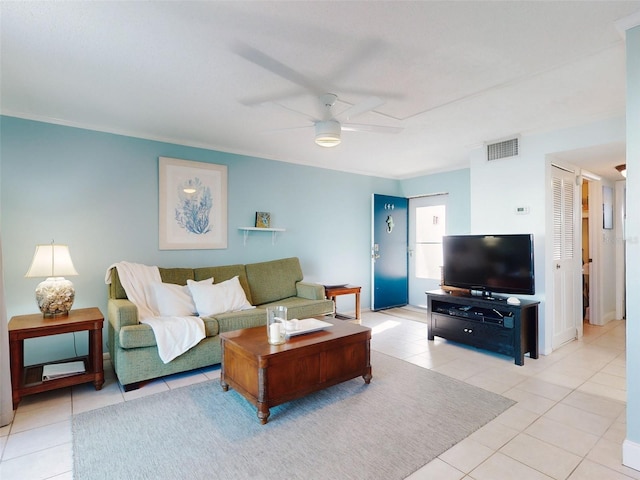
<point>60,370</point>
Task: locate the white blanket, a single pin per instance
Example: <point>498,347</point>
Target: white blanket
<point>174,335</point>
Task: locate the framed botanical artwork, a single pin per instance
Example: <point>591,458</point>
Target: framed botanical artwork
<point>263,220</point>
<point>192,205</point>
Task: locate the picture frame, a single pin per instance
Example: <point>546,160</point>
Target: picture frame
<point>192,205</point>
<point>263,220</point>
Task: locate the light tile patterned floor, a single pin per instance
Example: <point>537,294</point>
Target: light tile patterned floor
<point>569,422</point>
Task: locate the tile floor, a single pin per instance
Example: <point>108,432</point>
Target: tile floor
<point>569,422</point>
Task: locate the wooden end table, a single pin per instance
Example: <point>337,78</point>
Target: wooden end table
<point>28,380</point>
<point>333,291</point>
<point>269,375</point>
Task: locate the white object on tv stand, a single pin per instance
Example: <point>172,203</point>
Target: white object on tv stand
<point>273,231</point>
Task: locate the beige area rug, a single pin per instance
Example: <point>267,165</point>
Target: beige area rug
<point>386,430</point>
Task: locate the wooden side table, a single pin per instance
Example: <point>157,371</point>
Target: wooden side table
<point>332,291</point>
<point>28,380</point>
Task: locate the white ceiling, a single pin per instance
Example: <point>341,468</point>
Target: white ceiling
<point>454,74</point>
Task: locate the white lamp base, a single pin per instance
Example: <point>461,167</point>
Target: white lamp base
<point>55,296</point>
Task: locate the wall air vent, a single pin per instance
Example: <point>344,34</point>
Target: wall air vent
<point>503,149</point>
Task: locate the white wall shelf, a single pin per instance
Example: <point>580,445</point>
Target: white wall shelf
<point>274,232</point>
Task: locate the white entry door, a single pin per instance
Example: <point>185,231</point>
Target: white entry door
<point>427,226</point>
<point>566,257</point>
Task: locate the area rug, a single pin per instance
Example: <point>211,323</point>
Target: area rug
<point>386,430</point>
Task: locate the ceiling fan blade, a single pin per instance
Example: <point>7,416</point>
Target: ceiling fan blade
<point>353,127</point>
<point>344,91</point>
<point>276,67</point>
<point>287,129</point>
<point>273,98</point>
<point>366,105</point>
<point>364,52</point>
<point>297,112</point>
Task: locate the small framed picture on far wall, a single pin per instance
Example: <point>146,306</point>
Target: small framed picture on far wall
<point>263,220</point>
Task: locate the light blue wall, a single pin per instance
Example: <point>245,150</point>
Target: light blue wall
<point>631,455</point>
<point>456,184</point>
<point>98,193</point>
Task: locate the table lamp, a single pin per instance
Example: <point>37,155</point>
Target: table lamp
<point>55,294</point>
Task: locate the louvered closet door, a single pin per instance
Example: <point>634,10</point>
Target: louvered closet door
<point>564,257</point>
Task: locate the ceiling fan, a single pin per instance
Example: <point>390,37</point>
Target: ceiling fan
<point>329,127</point>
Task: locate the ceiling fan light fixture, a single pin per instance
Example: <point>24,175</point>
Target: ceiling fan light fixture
<point>622,169</point>
<point>328,133</point>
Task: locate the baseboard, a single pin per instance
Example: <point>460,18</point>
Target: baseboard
<point>631,454</point>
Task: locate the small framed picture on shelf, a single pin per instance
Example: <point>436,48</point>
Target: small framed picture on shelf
<point>263,220</point>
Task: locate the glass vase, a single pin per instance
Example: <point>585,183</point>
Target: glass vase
<point>276,325</point>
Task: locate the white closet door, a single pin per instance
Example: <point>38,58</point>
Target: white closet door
<point>565,257</point>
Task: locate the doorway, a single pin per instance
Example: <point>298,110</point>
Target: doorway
<point>603,267</point>
<point>592,231</point>
<point>586,255</point>
<point>427,226</point>
<point>389,265</point>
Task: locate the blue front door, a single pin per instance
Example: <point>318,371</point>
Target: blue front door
<point>390,282</point>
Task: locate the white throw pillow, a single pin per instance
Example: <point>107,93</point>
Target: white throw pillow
<point>227,296</point>
<point>175,300</point>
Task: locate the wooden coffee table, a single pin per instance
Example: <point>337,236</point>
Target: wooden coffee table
<point>269,375</point>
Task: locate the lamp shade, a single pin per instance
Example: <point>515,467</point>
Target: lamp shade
<point>51,261</point>
<point>54,295</point>
<point>328,133</point>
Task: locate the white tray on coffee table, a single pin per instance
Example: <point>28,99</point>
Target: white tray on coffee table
<point>308,325</point>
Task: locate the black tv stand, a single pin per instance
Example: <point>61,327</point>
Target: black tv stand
<point>488,323</point>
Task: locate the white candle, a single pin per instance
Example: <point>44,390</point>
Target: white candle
<point>274,332</point>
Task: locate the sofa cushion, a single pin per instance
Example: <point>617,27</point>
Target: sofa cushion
<point>303,308</point>
<point>244,319</point>
<point>271,281</point>
<point>179,276</point>
<point>227,296</point>
<point>141,335</point>
<point>225,272</point>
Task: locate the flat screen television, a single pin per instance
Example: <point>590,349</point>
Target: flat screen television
<point>489,263</point>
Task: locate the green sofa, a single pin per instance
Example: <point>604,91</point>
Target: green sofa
<point>132,345</point>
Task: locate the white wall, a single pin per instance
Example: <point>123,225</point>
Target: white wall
<point>608,239</point>
<point>499,186</point>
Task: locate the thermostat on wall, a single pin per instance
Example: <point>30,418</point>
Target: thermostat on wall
<point>522,210</point>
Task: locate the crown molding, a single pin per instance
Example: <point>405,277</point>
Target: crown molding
<point>626,23</point>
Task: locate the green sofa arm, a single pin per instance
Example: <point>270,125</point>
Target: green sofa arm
<point>310,291</point>
<point>121,312</point>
